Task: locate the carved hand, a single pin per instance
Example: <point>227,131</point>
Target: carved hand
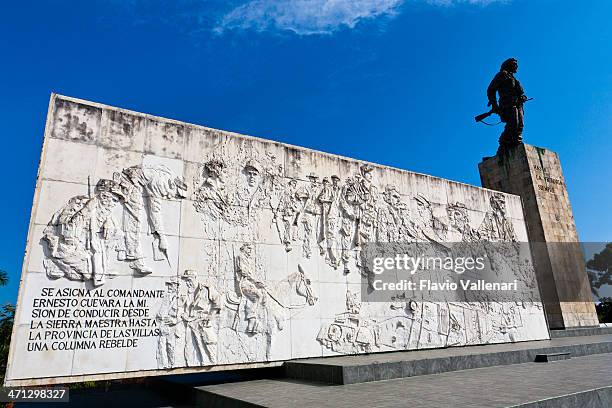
<point>163,243</point>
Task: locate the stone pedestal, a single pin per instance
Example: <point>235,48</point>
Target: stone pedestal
<point>535,174</point>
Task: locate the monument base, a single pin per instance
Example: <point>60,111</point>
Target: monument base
<point>436,378</point>
<point>535,174</point>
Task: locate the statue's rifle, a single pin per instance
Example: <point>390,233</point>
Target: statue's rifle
<point>483,116</point>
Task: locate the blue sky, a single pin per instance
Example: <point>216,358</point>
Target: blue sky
<point>395,82</point>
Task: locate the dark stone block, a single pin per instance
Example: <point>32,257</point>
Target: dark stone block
<point>545,358</point>
<point>365,373</point>
<point>388,371</point>
<point>350,375</point>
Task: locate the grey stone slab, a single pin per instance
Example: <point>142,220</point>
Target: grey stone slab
<point>576,332</point>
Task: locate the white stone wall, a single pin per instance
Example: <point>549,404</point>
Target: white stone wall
<point>157,246</point>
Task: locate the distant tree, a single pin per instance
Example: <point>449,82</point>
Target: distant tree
<point>7,317</point>
<point>604,310</point>
<point>600,269</point>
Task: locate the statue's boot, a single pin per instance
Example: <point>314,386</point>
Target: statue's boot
<point>140,268</point>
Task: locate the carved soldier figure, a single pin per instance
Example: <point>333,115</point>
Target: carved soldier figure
<point>328,199</point>
<point>285,215</point>
<point>460,222</point>
<point>331,256</point>
<point>510,104</point>
<point>168,319</point>
<point>199,306</point>
<point>427,226</point>
<point>310,214</point>
<point>367,203</point>
<point>211,198</point>
<point>348,206</point>
<point>250,286</point>
<point>496,226</point>
<point>143,188</point>
<point>359,210</point>
<point>461,232</point>
<point>391,217</point>
<point>102,233</point>
<point>249,194</point>
<point>81,235</point>
<point>64,239</point>
<point>325,199</point>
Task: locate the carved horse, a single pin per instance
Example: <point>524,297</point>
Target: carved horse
<point>278,305</point>
<point>279,302</point>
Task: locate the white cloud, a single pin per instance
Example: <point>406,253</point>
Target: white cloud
<point>302,17</point>
<point>305,16</point>
<point>456,2</point>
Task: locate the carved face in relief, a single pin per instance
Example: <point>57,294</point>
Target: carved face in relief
<point>458,217</point>
<point>314,179</point>
<point>213,173</point>
<point>394,198</point>
<point>252,176</point>
<point>132,173</point>
<point>108,199</point>
<point>172,287</point>
<point>75,204</point>
<point>335,181</point>
<point>423,207</point>
<point>246,250</point>
<point>366,173</point>
<point>190,285</point>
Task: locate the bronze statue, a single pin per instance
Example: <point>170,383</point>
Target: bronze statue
<point>509,107</point>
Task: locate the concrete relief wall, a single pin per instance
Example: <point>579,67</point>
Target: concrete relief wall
<point>157,246</point>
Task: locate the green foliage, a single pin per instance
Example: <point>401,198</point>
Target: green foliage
<point>599,269</point>
<point>602,262</point>
<point>7,317</point>
<point>604,310</point>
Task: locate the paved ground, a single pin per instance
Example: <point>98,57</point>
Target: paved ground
<point>500,386</point>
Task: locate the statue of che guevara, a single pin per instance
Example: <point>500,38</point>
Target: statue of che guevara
<point>509,107</point>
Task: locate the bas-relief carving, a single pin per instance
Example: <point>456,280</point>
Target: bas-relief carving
<point>83,235</point>
<point>238,310</point>
<point>332,218</point>
<point>188,321</point>
<point>260,308</point>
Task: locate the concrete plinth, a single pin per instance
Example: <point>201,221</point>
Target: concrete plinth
<point>535,174</point>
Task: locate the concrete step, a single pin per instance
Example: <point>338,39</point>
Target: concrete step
<point>384,366</point>
<point>580,331</point>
